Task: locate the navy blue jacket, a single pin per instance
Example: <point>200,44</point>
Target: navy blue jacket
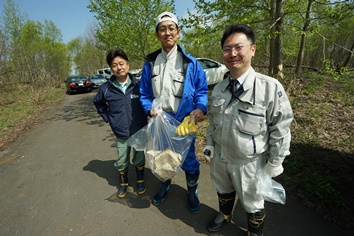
<point>123,112</point>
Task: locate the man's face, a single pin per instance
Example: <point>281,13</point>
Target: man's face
<point>237,53</point>
<point>167,33</point>
<point>120,68</point>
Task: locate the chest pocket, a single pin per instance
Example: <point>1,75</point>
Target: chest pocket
<point>156,85</point>
<point>177,84</point>
<point>251,121</point>
<point>216,110</point>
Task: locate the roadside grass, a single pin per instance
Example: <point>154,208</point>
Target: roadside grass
<point>318,172</point>
<point>20,104</point>
<point>319,169</point>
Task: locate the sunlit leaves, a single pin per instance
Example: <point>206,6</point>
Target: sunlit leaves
<point>129,25</point>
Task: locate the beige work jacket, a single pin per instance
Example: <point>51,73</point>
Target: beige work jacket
<point>255,123</point>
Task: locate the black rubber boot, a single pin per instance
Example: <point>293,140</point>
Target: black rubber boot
<point>256,223</point>
<point>140,185</point>
<point>123,186</point>
<point>162,194</point>
<point>192,185</point>
<point>226,204</point>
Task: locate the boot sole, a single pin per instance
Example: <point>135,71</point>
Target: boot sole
<point>155,203</point>
<point>213,230</point>
<point>121,196</point>
<point>141,192</point>
<point>194,210</point>
<point>218,229</point>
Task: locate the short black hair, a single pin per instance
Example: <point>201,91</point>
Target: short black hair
<point>238,28</point>
<point>116,53</point>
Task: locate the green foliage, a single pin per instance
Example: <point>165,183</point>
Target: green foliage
<point>129,25</point>
<point>43,59</point>
<point>334,73</point>
<point>37,54</point>
<point>329,25</point>
<point>13,19</point>
<point>203,27</point>
<point>87,56</point>
<point>34,51</point>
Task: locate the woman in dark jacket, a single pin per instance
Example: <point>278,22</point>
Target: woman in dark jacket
<point>117,102</point>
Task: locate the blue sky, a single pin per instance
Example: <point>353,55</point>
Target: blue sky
<point>72,17</point>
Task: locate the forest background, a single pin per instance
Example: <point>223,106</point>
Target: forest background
<point>307,44</point>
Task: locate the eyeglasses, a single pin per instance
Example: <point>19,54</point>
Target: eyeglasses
<point>237,48</point>
<point>170,29</point>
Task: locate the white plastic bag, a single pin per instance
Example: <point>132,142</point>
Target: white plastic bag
<point>165,150</point>
<point>271,190</point>
<point>138,140</point>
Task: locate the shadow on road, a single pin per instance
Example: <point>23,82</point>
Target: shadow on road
<point>175,205</point>
<point>104,169</point>
<point>81,109</point>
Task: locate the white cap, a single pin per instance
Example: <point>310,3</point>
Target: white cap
<point>164,16</point>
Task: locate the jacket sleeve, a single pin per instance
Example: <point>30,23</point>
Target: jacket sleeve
<point>201,89</point>
<point>146,93</point>
<point>101,104</point>
<point>280,118</point>
<point>209,130</point>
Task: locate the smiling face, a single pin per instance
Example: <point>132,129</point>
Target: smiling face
<point>238,51</point>
<point>167,33</point>
<point>120,68</point>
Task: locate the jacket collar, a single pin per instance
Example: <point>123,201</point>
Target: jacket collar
<point>152,56</point>
<point>131,77</point>
<point>248,84</point>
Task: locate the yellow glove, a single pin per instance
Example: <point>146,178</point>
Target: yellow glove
<point>186,127</point>
<point>192,126</point>
<point>182,129</point>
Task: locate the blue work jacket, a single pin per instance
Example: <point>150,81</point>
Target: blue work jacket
<point>195,90</point>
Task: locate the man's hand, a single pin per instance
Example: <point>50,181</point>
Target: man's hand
<point>197,114</point>
<point>273,170</point>
<point>208,152</point>
<point>152,113</point>
<point>156,109</point>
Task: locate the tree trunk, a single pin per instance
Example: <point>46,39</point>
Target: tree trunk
<point>272,35</point>
<point>306,26</point>
<point>347,60</point>
<point>278,56</point>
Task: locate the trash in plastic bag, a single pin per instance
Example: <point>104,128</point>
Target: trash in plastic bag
<point>165,150</point>
<point>271,190</point>
<point>164,164</point>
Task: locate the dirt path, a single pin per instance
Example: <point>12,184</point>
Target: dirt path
<point>58,179</point>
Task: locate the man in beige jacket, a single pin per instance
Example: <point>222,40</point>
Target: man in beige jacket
<point>249,115</point>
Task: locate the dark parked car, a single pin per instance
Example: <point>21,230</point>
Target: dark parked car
<point>97,80</point>
<point>78,83</point>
